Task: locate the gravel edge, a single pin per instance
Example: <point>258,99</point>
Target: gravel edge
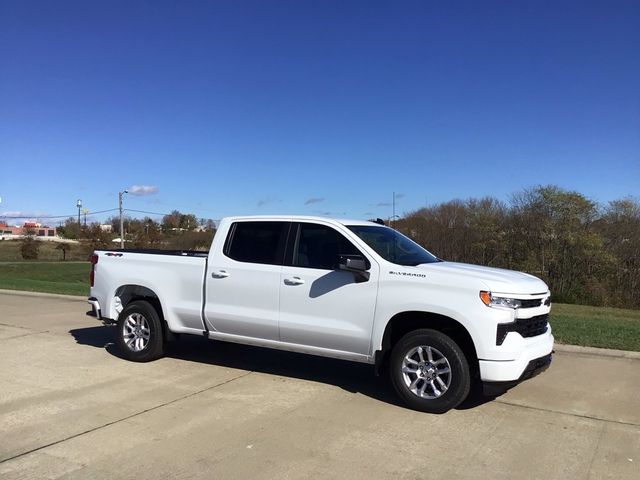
<point>24,293</point>
<point>603,352</point>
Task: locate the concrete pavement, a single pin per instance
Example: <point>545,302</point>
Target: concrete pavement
<point>70,408</point>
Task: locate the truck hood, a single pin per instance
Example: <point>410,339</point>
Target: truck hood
<point>497,280</point>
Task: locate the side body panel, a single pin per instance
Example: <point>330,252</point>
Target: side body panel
<point>432,289</point>
<point>176,280</point>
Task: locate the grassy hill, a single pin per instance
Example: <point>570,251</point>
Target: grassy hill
<point>68,278</point>
<point>10,251</point>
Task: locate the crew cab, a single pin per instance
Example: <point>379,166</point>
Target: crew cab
<point>352,290</point>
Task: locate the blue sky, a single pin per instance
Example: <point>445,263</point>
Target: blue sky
<point>323,107</point>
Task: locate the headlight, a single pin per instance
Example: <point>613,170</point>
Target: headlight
<point>493,301</point>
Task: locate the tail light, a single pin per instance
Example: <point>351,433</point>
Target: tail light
<point>92,275</point>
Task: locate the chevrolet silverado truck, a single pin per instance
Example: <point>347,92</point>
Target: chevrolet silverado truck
<point>352,290</point>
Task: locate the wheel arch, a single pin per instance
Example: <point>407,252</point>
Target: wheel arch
<point>405,322</point>
<point>131,292</point>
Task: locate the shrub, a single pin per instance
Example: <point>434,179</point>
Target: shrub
<point>30,248</point>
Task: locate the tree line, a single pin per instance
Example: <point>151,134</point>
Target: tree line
<point>586,252</point>
<point>175,231</point>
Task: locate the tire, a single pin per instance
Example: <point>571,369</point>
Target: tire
<point>429,371</point>
<point>139,332</point>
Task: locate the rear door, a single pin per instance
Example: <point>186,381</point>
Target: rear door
<point>320,305</point>
<point>243,283</point>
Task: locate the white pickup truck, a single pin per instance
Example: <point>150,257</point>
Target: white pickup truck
<point>351,290</point>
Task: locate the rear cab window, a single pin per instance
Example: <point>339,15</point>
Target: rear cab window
<point>257,242</point>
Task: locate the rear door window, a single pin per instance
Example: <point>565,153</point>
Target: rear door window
<point>257,242</point>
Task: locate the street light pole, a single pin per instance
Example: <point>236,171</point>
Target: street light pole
<point>120,194</point>
<point>393,217</point>
<point>79,205</point>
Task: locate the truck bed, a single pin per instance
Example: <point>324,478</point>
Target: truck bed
<point>157,251</point>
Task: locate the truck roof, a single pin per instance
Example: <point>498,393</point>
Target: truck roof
<point>301,218</point>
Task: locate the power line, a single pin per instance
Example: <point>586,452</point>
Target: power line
<point>54,216</point>
<point>158,213</point>
<point>144,211</point>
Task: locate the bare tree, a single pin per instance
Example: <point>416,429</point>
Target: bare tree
<point>64,247</point>
<point>586,253</point>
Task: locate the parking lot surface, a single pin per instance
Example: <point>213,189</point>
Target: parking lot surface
<point>70,408</point>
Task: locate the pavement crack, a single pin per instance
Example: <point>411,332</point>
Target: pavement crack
<point>2,324</point>
<point>108,424</point>
<point>595,450</point>
<point>578,415</point>
<point>471,459</point>
<point>24,335</point>
<point>30,331</point>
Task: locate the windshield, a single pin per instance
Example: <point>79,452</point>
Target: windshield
<point>393,246</point>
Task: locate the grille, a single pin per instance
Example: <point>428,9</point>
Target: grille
<point>536,302</point>
<point>531,303</point>
<point>527,327</point>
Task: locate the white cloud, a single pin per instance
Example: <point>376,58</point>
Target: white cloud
<point>313,200</point>
<point>18,218</point>
<point>141,190</point>
<point>22,215</point>
<point>15,213</point>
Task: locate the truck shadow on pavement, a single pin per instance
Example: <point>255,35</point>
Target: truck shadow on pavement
<point>350,376</point>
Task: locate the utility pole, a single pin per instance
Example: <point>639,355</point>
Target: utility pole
<point>85,211</point>
<point>79,205</point>
<point>120,194</point>
<point>393,217</point>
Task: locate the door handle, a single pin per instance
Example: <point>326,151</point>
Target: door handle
<point>293,281</point>
<point>220,274</point>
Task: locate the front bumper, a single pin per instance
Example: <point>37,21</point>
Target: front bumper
<point>512,370</point>
<point>534,367</point>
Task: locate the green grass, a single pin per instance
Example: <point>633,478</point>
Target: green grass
<point>62,277</point>
<point>10,252</point>
<point>603,327</point>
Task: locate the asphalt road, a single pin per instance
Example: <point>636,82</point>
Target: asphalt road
<point>70,408</point>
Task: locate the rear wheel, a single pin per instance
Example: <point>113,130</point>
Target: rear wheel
<point>429,371</point>
<point>140,337</point>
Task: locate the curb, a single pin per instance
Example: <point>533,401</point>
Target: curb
<point>600,352</point>
<point>24,293</point>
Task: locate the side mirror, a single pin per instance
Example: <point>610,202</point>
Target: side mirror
<point>356,264</point>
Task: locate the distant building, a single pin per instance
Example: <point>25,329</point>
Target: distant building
<point>38,229</point>
<point>106,228</point>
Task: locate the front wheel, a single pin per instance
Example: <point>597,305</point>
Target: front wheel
<point>140,336</point>
<point>429,371</point>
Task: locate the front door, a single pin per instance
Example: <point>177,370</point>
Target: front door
<point>320,305</point>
